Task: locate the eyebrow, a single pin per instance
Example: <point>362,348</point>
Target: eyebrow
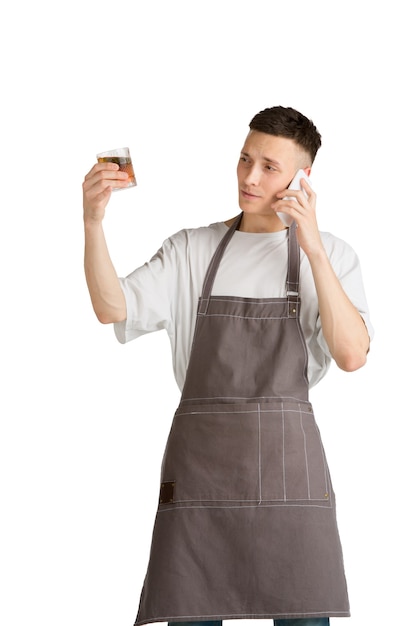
<point>263,158</point>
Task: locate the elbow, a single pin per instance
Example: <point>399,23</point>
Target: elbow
<point>351,365</point>
<point>352,355</point>
<point>106,317</point>
<point>351,361</point>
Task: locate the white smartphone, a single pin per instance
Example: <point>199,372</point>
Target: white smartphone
<point>294,184</point>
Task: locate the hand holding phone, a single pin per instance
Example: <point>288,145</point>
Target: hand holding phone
<point>294,184</point>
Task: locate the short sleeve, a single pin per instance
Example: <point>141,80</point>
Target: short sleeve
<point>346,265</point>
<point>148,293</point>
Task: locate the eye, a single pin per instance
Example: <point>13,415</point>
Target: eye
<point>270,168</point>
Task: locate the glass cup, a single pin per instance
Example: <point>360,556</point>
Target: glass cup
<point>122,157</point>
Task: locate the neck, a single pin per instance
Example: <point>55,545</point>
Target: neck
<point>259,223</point>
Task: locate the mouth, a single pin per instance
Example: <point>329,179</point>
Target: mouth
<point>247,195</point>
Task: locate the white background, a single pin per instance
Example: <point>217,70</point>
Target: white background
<point>84,420</point>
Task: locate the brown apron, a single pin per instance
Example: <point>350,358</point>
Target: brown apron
<point>246,525</point>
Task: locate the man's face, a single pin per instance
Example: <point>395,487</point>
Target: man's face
<point>266,166</point>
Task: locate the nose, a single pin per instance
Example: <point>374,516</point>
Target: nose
<point>253,176</point>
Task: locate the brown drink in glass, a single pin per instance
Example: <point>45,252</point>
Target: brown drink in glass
<point>122,157</point>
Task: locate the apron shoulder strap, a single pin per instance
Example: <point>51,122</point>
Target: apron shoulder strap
<point>217,257</point>
<point>293,272</point>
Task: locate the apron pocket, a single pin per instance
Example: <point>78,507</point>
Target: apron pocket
<point>212,454</point>
<point>245,454</point>
<point>294,467</point>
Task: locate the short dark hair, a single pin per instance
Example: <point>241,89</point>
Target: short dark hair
<point>287,122</point>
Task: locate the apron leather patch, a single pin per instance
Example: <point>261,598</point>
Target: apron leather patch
<point>166,495</point>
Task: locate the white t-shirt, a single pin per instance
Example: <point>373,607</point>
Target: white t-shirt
<point>163,293</point>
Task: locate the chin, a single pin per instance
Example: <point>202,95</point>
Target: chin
<point>250,207</point>
<point>252,210</point>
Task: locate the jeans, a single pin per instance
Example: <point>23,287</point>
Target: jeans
<point>307,621</point>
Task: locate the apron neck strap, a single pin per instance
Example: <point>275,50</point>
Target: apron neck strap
<point>293,260</point>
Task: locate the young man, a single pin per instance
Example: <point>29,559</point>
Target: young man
<point>255,311</point>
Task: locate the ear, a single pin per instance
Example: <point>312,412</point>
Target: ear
<point>307,170</point>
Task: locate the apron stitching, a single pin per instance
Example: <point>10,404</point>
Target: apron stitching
<point>305,456</point>
<point>283,456</point>
<point>277,300</point>
<point>259,454</point>
<point>196,327</point>
<point>240,412</point>
<point>291,503</point>
<point>245,317</point>
<point>214,412</point>
<point>328,494</point>
<point>277,398</point>
<point>301,335</point>
<point>250,500</point>
<point>204,302</point>
<point>231,615</point>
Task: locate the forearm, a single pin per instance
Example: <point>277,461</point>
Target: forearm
<point>103,284</point>
<point>343,327</point>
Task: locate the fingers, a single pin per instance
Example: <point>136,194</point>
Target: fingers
<point>306,196</point>
<point>299,205</point>
<point>98,185</point>
<point>306,187</point>
<point>290,202</point>
<point>104,173</point>
<point>296,200</point>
